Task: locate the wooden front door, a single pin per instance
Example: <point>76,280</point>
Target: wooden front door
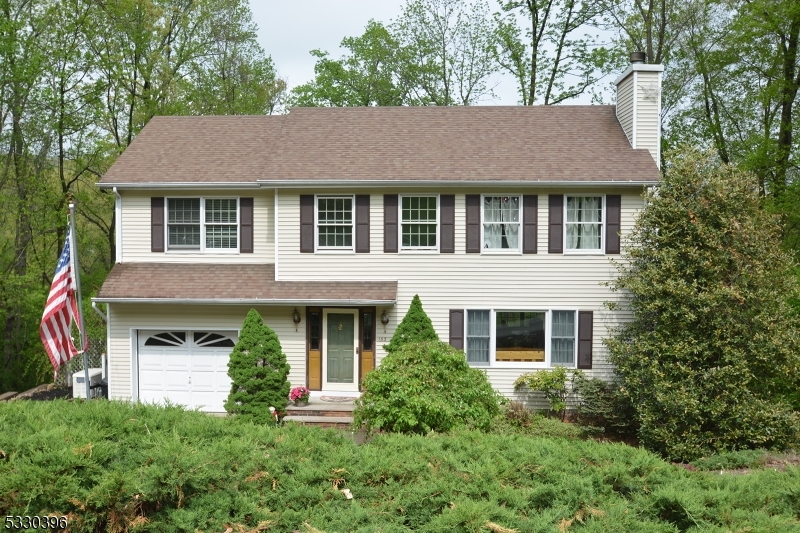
<point>340,349</point>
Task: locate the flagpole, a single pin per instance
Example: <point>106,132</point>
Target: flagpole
<point>76,272</point>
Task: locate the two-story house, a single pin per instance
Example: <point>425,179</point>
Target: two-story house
<point>328,222</point>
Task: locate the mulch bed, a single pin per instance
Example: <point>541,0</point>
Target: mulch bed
<point>56,393</point>
<point>46,393</point>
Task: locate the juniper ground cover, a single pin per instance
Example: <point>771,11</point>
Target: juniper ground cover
<point>118,467</point>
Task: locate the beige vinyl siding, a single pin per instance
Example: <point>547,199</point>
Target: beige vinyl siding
<point>127,318</point>
<point>625,106</point>
<point>467,281</point>
<point>647,112</point>
<point>136,229</point>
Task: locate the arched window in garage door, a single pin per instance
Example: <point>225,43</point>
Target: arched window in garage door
<point>212,340</point>
<point>167,338</point>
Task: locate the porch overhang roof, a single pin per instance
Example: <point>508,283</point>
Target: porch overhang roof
<point>233,284</point>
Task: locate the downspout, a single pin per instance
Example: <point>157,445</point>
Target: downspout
<point>98,311</point>
<point>103,362</point>
<point>275,230</point>
<point>118,230</point>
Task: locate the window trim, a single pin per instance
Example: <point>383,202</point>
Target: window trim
<point>203,249</point>
<point>501,251</point>
<point>418,249</point>
<point>548,328</point>
<point>598,251</point>
<point>335,249</point>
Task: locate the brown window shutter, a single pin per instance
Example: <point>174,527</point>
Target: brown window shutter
<point>585,339</point>
<point>530,214</point>
<point>447,223</point>
<point>307,223</point>
<point>246,225</point>
<point>473,203</point>
<point>157,224</point>
<point>613,214</point>
<point>555,237</point>
<point>390,223</point>
<point>457,328</point>
<point>362,223</point>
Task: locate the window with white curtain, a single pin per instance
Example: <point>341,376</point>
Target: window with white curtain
<point>507,337</point>
<point>584,223</point>
<point>562,339</point>
<point>501,219</point>
<point>478,336</point>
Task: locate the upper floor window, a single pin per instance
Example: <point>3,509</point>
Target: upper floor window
<point>202,224</point>
<point>501,221</point>
<point>419,222</point>
<point>334,222</point>
<point>584,223</point>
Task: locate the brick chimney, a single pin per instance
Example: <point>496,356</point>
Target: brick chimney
<point>639,104</point>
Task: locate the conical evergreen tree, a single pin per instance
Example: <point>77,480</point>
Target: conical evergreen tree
<point>415,327</point>
<point>259,372</point>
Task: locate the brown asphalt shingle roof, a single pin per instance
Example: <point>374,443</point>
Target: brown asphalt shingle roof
<point>249,282</point>
<point>484,143</point>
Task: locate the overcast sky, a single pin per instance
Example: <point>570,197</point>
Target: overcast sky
<point>289,30</point>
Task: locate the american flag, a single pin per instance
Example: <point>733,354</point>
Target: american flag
<point>59,313</point>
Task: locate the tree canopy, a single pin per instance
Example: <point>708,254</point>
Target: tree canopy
<point>711,357</point>
<point>78,80</point>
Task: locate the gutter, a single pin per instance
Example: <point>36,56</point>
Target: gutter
<point>244,301</point>
<point>194,185</point>
<point>334,183</point>
<point>461,184</point>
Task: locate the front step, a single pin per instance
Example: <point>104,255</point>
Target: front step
<point>322,414</point>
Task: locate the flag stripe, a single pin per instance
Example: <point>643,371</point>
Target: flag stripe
<point>60,311</point>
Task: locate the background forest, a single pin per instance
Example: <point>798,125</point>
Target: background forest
<point>80,78</point>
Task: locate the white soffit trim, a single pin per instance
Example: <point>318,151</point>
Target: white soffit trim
<point>641,67</point>
<point>244,301</point>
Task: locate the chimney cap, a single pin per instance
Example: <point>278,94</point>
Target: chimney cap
<point>638,57</point>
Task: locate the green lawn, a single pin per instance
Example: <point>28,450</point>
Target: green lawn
<point>111,466</point>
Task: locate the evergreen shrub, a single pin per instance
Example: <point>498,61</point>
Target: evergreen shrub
<point>426,386</point>
<point>415,327</point>
<point>711,357</point>
<point>258,371</point>
<point>605,406</point>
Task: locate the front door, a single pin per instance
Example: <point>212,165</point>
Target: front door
<point>340,350</point>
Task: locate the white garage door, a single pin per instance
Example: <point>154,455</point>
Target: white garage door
<point>185,367</point>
